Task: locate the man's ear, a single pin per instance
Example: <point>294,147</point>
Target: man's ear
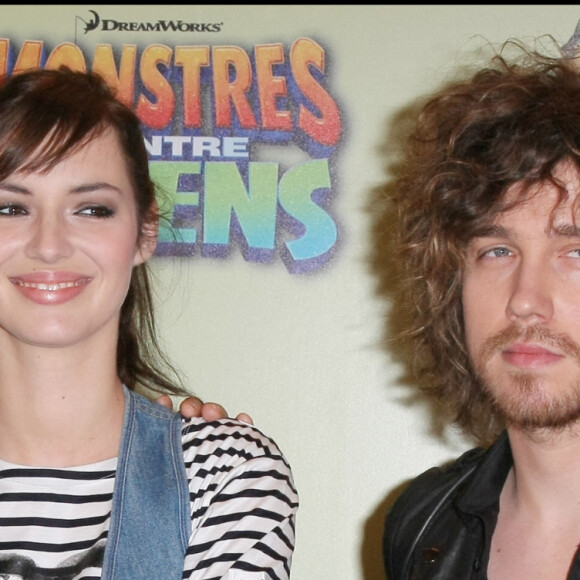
<point>149,234</point>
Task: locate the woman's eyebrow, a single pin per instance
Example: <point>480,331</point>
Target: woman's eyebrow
<point>13,188</point>
<point>82,188</point>
<point>96,186</point>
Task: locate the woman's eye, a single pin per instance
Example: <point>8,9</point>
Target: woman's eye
<point>11,209</point>
<point>97,211</point>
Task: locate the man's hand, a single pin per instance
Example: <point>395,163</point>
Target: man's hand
<point>195,407</point>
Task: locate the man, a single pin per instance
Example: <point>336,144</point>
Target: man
<point>488,199</point>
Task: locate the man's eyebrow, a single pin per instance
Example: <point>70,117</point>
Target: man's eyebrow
<point>490,231</point>
<point>569,230</point>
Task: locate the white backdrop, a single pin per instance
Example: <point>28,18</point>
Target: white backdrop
<point>304,354</point>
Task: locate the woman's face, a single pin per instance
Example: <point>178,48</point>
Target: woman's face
<point>69,239</point>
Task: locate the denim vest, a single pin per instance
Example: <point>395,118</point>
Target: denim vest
<point>150,519</point>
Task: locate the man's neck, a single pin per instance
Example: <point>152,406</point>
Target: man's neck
<point>538,528</point>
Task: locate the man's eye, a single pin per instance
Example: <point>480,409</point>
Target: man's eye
<point>98,211</point>
<point>12,210</point>
<point>574,253</point>
<point>499,252</point>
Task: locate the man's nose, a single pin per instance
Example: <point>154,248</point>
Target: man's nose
<point>531,297</point>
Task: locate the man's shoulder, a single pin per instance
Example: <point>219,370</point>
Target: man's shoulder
<point>429,493</point>
<point>428,489</point>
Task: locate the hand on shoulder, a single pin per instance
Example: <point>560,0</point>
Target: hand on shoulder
<point>195,407</point>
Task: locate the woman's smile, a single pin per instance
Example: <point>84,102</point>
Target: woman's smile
<point>51,287</point>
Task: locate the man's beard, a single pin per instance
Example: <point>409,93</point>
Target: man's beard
<point>523,397</point>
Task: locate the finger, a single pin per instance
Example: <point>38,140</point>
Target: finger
<point>191,407</point>
<point>213,411</point>
<point>245,418</point>
<point>165,401</point>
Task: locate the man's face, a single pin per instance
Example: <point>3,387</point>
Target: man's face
<point>521,302</point>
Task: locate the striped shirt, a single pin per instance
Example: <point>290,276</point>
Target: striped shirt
<point>54,522</point>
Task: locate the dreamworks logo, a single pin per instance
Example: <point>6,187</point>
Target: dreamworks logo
<point>95,22</point>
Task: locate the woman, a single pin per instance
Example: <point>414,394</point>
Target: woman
<point>96,481</point>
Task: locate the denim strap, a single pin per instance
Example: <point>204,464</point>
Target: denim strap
<point>150,519</point>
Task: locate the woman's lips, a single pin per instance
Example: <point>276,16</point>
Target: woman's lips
<point>530,356</point>
<point>50,289</point>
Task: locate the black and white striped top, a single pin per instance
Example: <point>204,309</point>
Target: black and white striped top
<point>54,522</point>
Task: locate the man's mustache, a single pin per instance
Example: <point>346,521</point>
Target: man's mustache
<point>536,333</point>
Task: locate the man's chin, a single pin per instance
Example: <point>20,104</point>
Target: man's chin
<point>528,402</point>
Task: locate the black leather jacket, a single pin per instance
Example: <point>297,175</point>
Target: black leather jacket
<point>440,528</point>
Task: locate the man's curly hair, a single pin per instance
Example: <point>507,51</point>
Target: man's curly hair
<point>513,121</point>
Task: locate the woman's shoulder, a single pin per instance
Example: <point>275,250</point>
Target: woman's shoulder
<point>228,438</point>
<point>217,453</point>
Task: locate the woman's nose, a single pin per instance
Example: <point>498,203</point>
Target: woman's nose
<point>49,240</point>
